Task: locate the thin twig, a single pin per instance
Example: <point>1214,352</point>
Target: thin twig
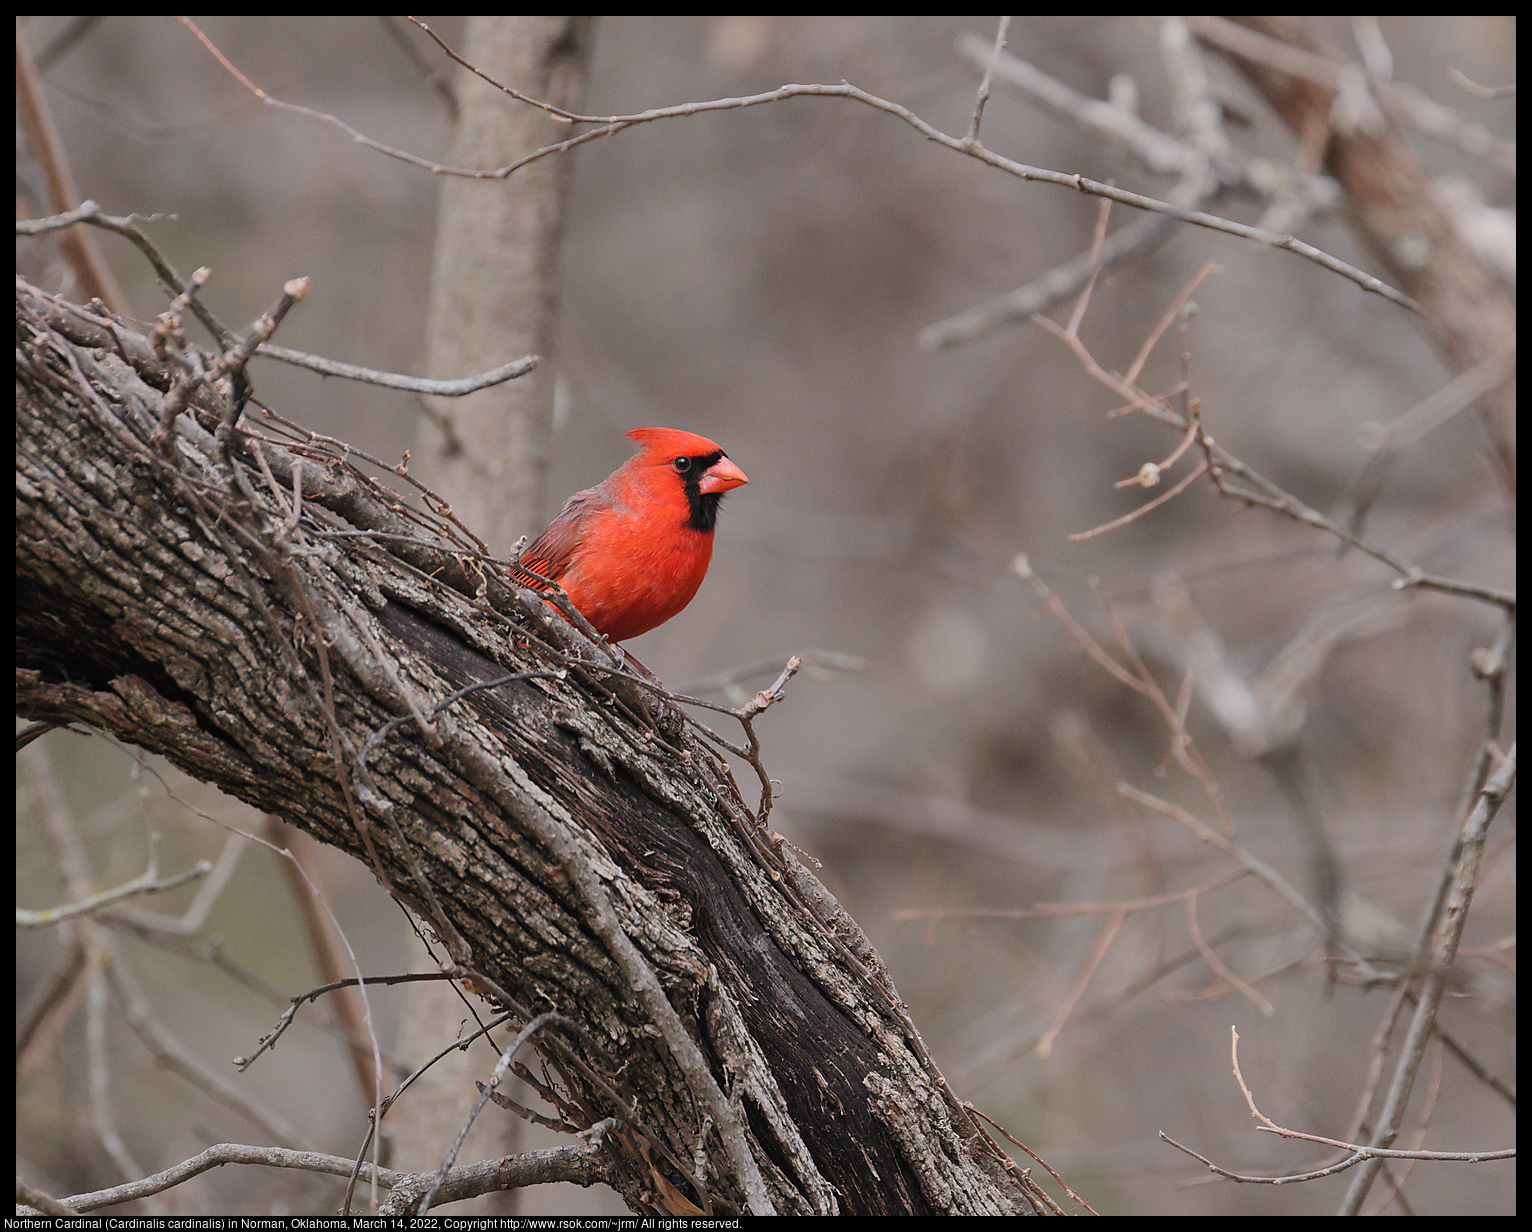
<point>147,882</point>
<point>1267,1125</point>
<point>445,388</point>
<point>1437,962</point>
<point>466,1182</point>
<point>989,75</point>
<point>961,145</point>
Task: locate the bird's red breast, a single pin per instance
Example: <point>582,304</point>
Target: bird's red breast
<point>632,551</point>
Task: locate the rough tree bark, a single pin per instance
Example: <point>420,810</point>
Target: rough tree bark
<point>495,295</point>
<point>570,841</point>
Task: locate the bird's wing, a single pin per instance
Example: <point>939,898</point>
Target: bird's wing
<point>551,552</point>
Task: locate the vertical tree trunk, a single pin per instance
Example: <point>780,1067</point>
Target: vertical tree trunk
<point>494,285</point>
<point>494,297</point>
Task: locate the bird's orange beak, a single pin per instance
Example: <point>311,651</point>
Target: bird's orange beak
<point>722,476</point>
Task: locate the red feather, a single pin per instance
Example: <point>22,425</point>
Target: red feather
<point>632,551</point>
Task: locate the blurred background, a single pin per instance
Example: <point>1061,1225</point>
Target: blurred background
<point>761,276</point>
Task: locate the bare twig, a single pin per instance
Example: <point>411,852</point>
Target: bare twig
<point>443,388</point>
<point>1124,908</point>
<point>989,73</point>
<point>1074,1197</point>
<point>1437,962</point>
<point>175,1056</point>
<point>38,137</point>
<point>961,145</point>
<point>1481,92</point>
<point>1267,1125</point>
<point>578,1164</point>
<point>1143,478</point>
<point>1427,115</point>
<point>1139,679</point>
<point>1258,490</point>
<point>746,714</point>
<point>147,882</point>
<point>269,1040</point>
<point>428,1200</point>
<point>90,212</point>
<point>1385,441</point>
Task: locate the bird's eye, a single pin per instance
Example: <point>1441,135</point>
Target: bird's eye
<point>682,464</point>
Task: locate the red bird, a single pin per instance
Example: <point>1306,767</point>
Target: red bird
<point>632,551</point>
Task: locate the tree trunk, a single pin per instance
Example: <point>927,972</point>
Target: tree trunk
<point>494,297</point>
<point>570,841</point>
<point>494,280</point>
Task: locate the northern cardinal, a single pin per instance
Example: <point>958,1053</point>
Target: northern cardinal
<point>632,551</point>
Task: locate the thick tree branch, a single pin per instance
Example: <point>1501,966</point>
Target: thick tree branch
<point>569,841</point>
